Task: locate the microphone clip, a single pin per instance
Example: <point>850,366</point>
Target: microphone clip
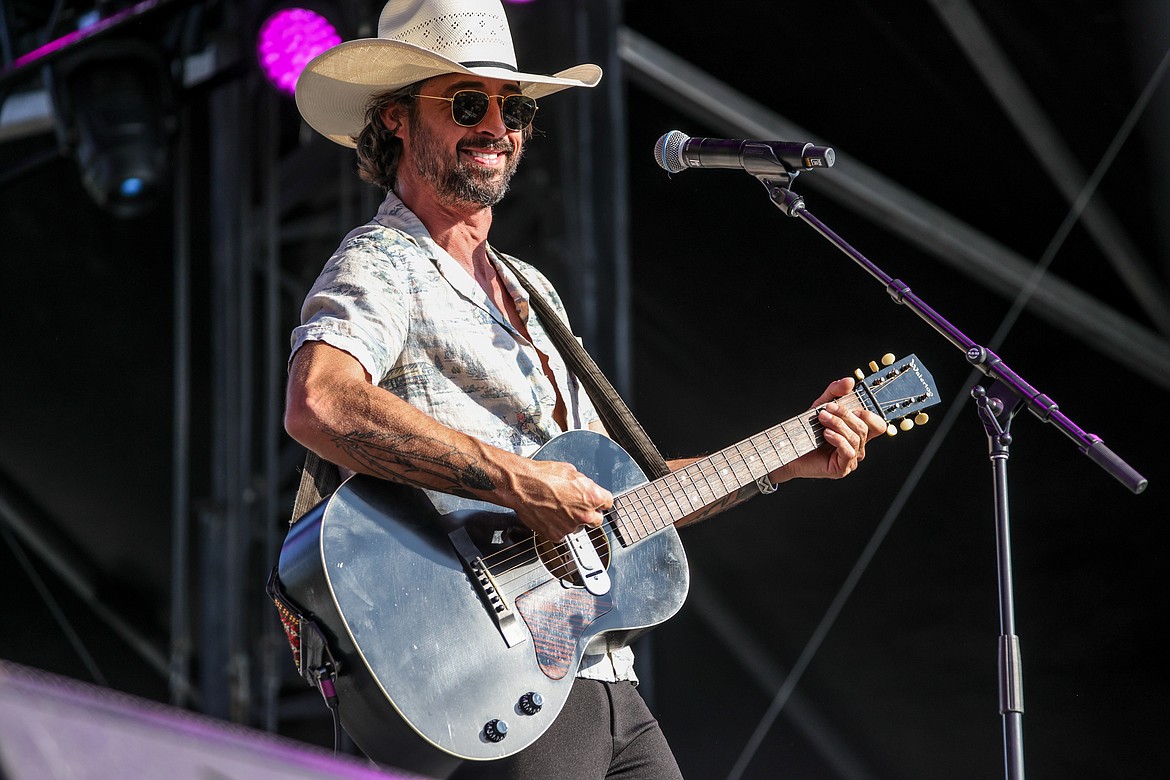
<point>777,185</point>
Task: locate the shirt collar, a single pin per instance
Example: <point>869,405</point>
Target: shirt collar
<point>395,214</point>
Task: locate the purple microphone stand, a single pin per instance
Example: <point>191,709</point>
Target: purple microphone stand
<point>776,164</point>
<point>996,405</point>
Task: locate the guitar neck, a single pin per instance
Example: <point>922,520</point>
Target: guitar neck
<point>651,507</point>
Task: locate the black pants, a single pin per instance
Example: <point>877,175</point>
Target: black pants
<point>604,731</point>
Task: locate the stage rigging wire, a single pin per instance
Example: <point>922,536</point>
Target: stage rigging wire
<point>940,433</point>
<point>54,607</point>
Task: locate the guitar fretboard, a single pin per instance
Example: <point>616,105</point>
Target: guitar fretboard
<point>649,508</point>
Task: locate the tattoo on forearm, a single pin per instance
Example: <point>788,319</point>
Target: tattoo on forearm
<point>419,461</point>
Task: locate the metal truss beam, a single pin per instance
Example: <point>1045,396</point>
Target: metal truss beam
<point>906,214</point>
<point>757,661</point>
<point>1046,143</point>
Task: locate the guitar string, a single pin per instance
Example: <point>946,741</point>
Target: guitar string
<point>535,565</point>
<point>493,560</point>
<point>534,562</point>
<point>508,577</point>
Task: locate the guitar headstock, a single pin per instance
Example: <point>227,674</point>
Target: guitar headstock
<point>899,390</point>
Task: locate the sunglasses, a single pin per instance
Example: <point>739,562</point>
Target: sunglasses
<point>470,106</point>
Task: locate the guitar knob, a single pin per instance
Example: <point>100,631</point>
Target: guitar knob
<point>922,418</point>
<point>495,730</point>
<point>906,424</point>
<point>891,430</point>
<point>531,703</point>
<point>873,366</point>
<point>888,359</point>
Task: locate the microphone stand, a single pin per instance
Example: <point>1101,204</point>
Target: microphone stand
<point>996,405</point>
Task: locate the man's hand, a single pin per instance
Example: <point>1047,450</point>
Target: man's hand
<point>845,434</point>
<point>554,499</point>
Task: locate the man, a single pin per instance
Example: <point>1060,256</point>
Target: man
<point>417,359</point>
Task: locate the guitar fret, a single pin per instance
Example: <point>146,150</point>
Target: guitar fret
<point>706,483</point>
<point>678,489</point>
<point>689,492</point>
<point>753,465</point>
<point>720,470</point>
<point>622,521</point>
<point>733,466</point>
<point>770,457</point>
<point>668,501</point>
<point>637,529</point>
<point>805,439</point>
<point>655,508</point>
<point>815,434</point>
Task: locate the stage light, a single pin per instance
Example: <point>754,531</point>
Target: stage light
<point>113,104</point>
<point>288,38</point>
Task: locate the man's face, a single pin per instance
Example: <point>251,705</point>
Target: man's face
<point>462,165</point>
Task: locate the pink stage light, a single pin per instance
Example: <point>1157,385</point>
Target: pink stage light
<point>288,39</point>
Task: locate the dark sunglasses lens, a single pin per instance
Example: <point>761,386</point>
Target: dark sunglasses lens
<point>469,108</point>
<point>517,111</point>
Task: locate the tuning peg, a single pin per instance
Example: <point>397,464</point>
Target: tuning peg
<point>891,430</point>
<point>906,424</point>
<point>857,373</point>
<point>873,366</point>
<point>888,359</point>
<point>922,418</point>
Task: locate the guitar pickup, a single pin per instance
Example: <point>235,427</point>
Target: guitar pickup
<point>588,563</point>
<point>503,614</point>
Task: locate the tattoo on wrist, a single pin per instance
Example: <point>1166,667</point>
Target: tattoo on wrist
<point>420,461</point>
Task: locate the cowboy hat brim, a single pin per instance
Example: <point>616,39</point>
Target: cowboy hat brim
<point>335,88</point>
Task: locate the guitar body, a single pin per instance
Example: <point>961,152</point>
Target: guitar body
<point>424,664</point>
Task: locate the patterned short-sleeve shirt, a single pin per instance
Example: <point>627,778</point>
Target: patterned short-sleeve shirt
<point>425,331</point>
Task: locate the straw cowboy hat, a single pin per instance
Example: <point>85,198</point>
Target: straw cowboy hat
<point>418,39</point>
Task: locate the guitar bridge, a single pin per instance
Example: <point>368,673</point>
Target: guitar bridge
<point>503,615</point>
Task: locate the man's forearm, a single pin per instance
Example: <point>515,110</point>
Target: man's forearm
<point>714,508</point>
<point>411,458</point>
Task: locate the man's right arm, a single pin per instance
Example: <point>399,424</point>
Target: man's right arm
<point>335,410</point>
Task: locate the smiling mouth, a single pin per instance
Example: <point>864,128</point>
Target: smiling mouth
<point>490,157</point>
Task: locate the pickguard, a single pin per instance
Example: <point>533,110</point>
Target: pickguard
<point>558,617</point>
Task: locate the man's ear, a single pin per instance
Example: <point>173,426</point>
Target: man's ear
<point>391,118</point>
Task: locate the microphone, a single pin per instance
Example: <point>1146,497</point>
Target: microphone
<point>677,151</point>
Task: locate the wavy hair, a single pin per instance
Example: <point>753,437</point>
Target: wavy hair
<point>378,150</point>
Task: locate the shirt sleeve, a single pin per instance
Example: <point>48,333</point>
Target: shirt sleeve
<point>358,303</point>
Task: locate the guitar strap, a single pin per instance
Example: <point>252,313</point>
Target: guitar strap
<point>618,419</point>
<point>319,478</point>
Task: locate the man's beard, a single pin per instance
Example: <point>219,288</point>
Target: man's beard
<point>455,181</point>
